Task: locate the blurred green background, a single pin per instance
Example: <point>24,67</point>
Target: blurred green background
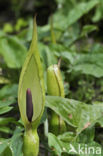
<point>70,32</point>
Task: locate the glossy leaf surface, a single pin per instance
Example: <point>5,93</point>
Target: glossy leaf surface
<point>75,113</point>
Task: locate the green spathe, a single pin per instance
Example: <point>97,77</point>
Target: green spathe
<point>55,87</point>
<point>31,97</point>
<point>32,77</point>
<point>54,81</point>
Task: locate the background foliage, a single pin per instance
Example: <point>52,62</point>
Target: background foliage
<point>69,31</point>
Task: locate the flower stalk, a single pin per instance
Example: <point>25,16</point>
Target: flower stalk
<point>30,142</point>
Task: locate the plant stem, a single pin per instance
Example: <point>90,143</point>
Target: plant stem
<point>31,142</point>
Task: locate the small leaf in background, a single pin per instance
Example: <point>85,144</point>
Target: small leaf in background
<point>7,120</point>
<point>8,28</point>
<point>4,103</point>
<point>13,51</point>
<point>6,130</point>
<point>88,29</point>
<point>7,97</point>
<point>14,145</point>
<point>79,10</point>
<point>5,106</point>
<point>89,64</point>
<point>20,24</point>
<point>67,136</point>
<point>4,80</point>
<point>47,55</point>
<point>5,110</point>
<point>8,91</point>
<point>63,22</point>
<point>98,12</point>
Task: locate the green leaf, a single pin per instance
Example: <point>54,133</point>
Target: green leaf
<point>13,51</point>
<point>8,28</point>
<point>63,22</point>
<point>87,136</point>
<point>16,143</point>
<point>59,147</point>
<point>6,102</point>
<point>3,146</point>
<point>7,152</point>
<point>77,114</point>
<point>89,69</point>
<point>87,29</point>
<point>79,10</point>
<point>4,80</point>
<point>9,91</point>
<point>5,110</point>
<point>47,55</point>
<point>6,130</point>
<point>98,12</point>
<point>12,146</point>
<point>90,64</point>
<point>66,137</point>
<point>32,77</point>
<point>6,120</point>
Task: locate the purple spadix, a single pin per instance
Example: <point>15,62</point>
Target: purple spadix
<point>29,105</point>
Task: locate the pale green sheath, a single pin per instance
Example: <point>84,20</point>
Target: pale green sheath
<point>55,87</point>
<point>31,97</point>
<point>54,81</point>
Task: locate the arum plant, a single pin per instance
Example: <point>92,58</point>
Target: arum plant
<point>55,87</point>
<point>31,97</point>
